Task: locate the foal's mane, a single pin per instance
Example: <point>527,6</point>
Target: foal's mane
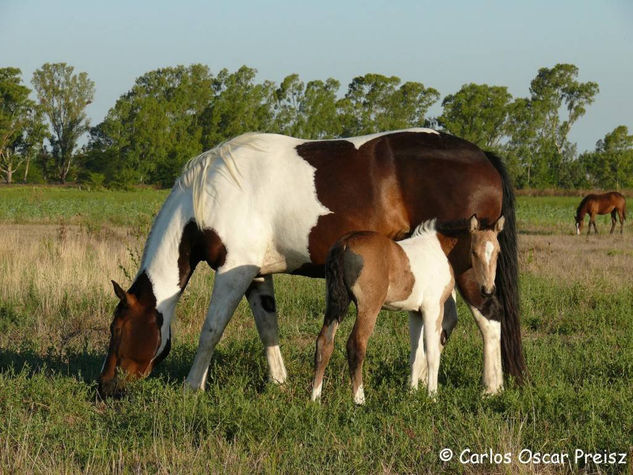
<point>451,228</point>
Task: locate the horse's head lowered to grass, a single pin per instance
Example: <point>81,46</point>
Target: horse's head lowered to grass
<point>135,338</point>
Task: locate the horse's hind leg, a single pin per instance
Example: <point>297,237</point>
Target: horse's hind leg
<point>417,359</point>
<point>622,218</point>
<point>261,299</point>
<point>357,346</point>
<point>613,220</point>
<point>324,348</point>
<point>229,287</point>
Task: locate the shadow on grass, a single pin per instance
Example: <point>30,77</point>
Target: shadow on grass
<point>240,361</point>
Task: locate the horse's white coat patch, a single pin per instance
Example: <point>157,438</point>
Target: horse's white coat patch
<point>359,141</point>
<point>267,220</point>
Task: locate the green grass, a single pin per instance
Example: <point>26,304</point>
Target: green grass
<point>578,338</point>
<point>46,204</point>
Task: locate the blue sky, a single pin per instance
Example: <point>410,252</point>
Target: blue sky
<point>441,44</point>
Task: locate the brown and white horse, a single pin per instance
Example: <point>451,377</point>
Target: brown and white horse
<point>412,275</point>
<point>263,203</point>
<point>611,202</point>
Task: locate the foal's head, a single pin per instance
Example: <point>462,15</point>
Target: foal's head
<point>135,336</point>
<point>484,250</point>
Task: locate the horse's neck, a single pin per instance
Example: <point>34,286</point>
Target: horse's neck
<point>160,257</point>
<point>447,243</point>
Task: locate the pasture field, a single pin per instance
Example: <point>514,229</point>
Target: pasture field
<point>59,248</point>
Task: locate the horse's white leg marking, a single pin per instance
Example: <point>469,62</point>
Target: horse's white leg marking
<point>491,334</point>
<point>417,358</point>
<point>261,298</point>
<point>359,397</point>
<point>229,287</point>
<point>432,333</point>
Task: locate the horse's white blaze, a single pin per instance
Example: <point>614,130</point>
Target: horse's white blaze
<point>490,247</point>
<point>359,141</point>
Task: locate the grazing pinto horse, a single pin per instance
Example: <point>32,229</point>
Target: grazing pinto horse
<point>413,275</point>
<point>612,202</point>
<point>264,203</point>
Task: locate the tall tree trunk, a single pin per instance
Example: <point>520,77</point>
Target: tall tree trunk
<point>26,168</point>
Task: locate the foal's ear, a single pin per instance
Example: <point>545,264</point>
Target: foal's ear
<point>499,224</point>
<point>122,294</point>
<point>473,224</point>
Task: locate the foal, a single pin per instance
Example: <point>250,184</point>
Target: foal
<point>415,275</point>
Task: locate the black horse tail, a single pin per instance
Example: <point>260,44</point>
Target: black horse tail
<point>507,280</point>
<point>338,297</point>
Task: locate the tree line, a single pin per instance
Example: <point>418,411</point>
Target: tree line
<point>172,114</point>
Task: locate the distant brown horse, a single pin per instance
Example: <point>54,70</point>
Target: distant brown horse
<point>612,202</point>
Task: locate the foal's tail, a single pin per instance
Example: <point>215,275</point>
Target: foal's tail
<point>337,297</point>
<point>507,281</point>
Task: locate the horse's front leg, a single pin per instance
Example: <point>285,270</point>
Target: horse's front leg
<point>490,328</point>
<point>432,332</point>
<point>261,298</point>
<point>228,289</point>
<point>417,358</point>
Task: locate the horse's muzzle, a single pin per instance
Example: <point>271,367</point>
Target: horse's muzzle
<point>487,293</point>
<point>112,388</point>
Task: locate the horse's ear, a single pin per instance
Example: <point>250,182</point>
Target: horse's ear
<point>122,294</point>
<point>499,224</point>
<point>473,223</point>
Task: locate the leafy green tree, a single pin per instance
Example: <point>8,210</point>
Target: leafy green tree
<point>540,124</point>
<point>375,103</point>
<point>21,127</point>
<point>319,110</point>
<point>478,113</point>
<point>611,164</point>
<point>308,111</point>
<point>238,105</point>
<point>153,129</point>
<point>63,97</point>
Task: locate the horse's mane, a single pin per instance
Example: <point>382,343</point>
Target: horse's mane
<point>583,202</point>
<point>195,172</point>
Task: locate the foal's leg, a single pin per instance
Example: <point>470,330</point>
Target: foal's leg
<point>417,358</point>
<point>621,214</point>
<point>357,346</point>
<point>432,331</point>
<point>490,332</point>
<point>229,287</point>
<point>324,348</point>
<point>613,220</point>
<point>261,298</point>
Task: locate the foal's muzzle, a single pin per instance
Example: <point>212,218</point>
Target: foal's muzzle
<point>488,293</point>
